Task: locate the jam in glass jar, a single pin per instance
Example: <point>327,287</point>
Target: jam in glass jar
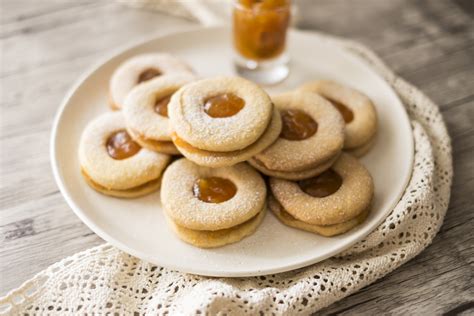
<point>259,34</point>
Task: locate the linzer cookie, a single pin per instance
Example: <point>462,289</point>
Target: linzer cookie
<point>357,110</point>
<point>113,164</point>
<point>140,69</point>
<point>327,230</point>
<point>146,112</point>
<point>212,207</point>
<point>222,121</point>
<point>311,139</point>
<point>329,204</point>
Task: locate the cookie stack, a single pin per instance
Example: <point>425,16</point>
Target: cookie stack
<point>212,207</point>
<point>232,134</point>
<point>114,164</point>
<point>222,121</point>
<point>356,109</point>
<point>311,139</point>
<point>330,204</point>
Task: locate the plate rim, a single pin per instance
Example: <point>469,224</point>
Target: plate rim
<point>59,179</point>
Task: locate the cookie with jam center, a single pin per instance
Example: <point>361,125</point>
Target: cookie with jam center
<point>112,163</point>
<point>338,195</point>
<point>357,109</point>
<point>311,139</point>
<point>139,69</point>
<point>215,159</point>
<point>221,121</point>
<point>210,207</point>
<point>220,114</point>
<point>146,112</point>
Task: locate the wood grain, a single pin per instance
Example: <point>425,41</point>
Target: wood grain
<point>45,45</point>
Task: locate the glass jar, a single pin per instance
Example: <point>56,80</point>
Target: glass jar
<point>259,34</point>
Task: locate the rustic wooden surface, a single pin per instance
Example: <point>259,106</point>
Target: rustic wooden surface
<point>47,44</point>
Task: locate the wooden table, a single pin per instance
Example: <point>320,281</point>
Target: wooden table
<point>47,44</point>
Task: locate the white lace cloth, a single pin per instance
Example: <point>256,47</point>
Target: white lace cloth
<point>106,280</point>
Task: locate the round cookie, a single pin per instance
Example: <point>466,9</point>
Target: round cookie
<point>145,112</point>
<point>184,208</point>
<point>218,238</point>
<point>327,231</point>
<point>222,114</point>
<point>135,173</point>
<point>352,197</point>
<point>293,175</point>
<point>316,149</point>
<point>357,109</point>
<point>223,159</point>
<point>138,69</point>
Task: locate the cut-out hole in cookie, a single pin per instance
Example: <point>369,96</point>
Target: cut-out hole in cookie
<point>148,74</point>
<point>223,105</point>
<point>161,105</point>
<point>297,125</point>
<point>323,185</point>
<point>121,146</point>
<point>346,113</point>
<point>214,189</point>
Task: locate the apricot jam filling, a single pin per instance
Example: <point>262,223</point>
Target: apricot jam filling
<point>178,141</point>
<point>214,189</point>
<point>148,74</point>
<point>260,28</point>
<point>346,113</point>
<point>223,105</point>
<point>161,105</point>
<point>121,146</point>
<point>297,125</point>
<point>323,185</point>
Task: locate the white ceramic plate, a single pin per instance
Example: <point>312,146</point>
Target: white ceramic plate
<point>137,226</point>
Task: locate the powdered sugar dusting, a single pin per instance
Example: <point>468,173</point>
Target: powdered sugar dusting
<point>222,159</point>
<point>139,110</point>
<point>353,197</point>
<point>227,134</point>
<point>188,211</point>
<point>364,125</point>
<point>286,155</point>
<point>123,174</point>
<point>125,76</point>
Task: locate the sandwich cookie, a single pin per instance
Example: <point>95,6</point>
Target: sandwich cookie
<point>357,110</point>
<point>330,204</point>
<point>139,69</point>
<point>327,231</point>
<point>311,139</point>
<point>222,121</point>
<point>212,207</point>
<point>113,164</point>
<point>146,112</point>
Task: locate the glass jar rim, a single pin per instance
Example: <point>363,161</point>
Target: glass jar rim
<point>237,5</point>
